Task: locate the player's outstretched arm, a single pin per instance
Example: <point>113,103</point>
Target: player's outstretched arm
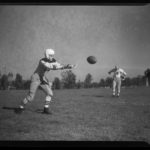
<point>110,71</point>
<point>69,66</point>
<point>58,66</point>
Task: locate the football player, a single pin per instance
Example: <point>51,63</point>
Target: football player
<point>118,75</point>
<point>39,79</point>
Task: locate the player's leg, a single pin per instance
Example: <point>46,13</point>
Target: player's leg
<point>114,87</point>
<point>31,93</point>
<point>118,87</point>
<point>35,82</point>
<point>49,93</point>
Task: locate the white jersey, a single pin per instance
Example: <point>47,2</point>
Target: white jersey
<point>118,73</point>
<point>44,66</point>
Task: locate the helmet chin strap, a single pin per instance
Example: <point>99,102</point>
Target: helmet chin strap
<point>50,58</point>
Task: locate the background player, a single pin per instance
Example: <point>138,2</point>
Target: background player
<point>118,75</point>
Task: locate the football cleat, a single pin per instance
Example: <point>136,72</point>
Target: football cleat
<point>113,95</point>
<point>19,110</point>
<point>47,111</point>
<point>118,95</point>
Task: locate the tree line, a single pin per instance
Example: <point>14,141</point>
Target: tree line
<point>68,80</point>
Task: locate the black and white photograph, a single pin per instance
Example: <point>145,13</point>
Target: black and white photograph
<point>75,73</point>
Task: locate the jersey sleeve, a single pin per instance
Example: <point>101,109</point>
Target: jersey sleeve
<point>46,63</point>
<point>112,70</point>
<point>123,72</point>
<point>53,65</point>
<point>56,65</point>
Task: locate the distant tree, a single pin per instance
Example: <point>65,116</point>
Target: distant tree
<point>134,81</point>
<point>137,81</point>
<point>127,82</point>
<point>108,82</point>
<point>78,84</point>
<point>26,84</point>
<point>88,80</point>
<point>140,80</point>
<point>18,81</point>
<point>102,83</point>
<point>95,84</point>
<point>57,83</point>
<point>4,82</point>
<point>68,79</point>
<point>10,79</point>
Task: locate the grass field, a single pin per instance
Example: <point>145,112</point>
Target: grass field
<point>78,115</point>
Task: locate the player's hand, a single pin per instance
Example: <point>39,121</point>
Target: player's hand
<point>69,66</point>
<point>74,66</point>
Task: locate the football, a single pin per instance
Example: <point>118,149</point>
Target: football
<point>91,59</point>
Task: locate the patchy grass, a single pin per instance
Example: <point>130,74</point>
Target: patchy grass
<point>78,115</point>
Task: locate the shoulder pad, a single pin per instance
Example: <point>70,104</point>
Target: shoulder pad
<point>44,59</point>
<point>47,60</point>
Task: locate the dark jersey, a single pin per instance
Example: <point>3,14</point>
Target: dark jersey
<point>41,70</point>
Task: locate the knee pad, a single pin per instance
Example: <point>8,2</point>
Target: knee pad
<point>50,92</point>
<point>48,98</point>
<point>50,84</point>
<point>25,101</point>
<point>30,97</point>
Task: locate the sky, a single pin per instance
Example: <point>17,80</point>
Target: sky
<point>115,35</point>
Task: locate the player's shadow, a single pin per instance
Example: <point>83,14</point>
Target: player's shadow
<point>93,95</point>
<point>15,109</point>
<point>9,108</point>
<point>39,111</point>
<point>98,95</point>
